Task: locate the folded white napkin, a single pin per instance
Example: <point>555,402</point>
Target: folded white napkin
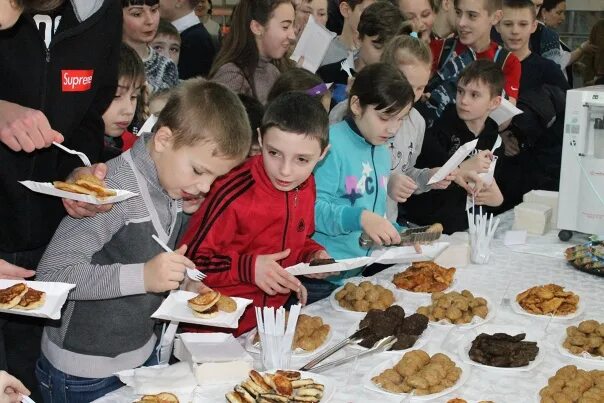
<point>160,378</point>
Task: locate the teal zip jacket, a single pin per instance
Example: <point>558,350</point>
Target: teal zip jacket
<point>353,177</point>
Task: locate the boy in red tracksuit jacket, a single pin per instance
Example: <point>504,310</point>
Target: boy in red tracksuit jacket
<point>259,218</point>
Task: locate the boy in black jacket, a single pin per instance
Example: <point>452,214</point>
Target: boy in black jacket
<point>196,49</point>
<point>478,94</point>
<point>58,74</point>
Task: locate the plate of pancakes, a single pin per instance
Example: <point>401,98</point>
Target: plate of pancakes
<point>86,188</point>
<point>210,309</point>
<point>33,298</point>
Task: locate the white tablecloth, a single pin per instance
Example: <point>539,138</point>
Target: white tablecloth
<point>506,270</point>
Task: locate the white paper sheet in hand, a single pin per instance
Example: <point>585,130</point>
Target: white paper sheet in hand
<point>56,295</point>
<point>48,189</point>
<point>312,45</point>
<point>159,378</point>
<point>456,159</point>
<point>407,254</point>
<point>504,112</point>
<point>340,265</point>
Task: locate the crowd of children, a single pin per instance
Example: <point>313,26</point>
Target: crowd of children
<point>261,164</point>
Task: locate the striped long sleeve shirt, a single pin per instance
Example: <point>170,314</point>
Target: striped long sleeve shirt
<point>106,325</point>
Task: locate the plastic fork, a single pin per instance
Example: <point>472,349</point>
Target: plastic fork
<point>194,275</point>
<point>82,156</point>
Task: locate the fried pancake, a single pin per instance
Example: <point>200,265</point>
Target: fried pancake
<point>9,297</point>
<point>92,183</point>
<point>291,375</point>
<point>235,397</point>
<point>283,385</point>
<point>226,304</point>
<point>209,313</point>
<point>437,227</point>
<point>202,302</point>
<point>73,188</point>
<point>259,380</point>
<point>32,299</point>
<point>93,180</point>
<point>163,397</point>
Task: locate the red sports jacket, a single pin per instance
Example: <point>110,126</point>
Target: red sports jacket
<point>244,216</point>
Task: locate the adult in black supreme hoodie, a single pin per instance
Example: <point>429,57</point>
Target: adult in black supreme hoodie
<point>62,62</point>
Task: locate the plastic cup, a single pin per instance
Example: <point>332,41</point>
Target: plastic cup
<point>276,354</point>
<point>480,251</point>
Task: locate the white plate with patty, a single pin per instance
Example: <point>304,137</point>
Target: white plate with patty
<point>175,308</point>
<point>53,300</point>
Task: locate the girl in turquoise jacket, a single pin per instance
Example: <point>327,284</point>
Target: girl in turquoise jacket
<point>352,180</point>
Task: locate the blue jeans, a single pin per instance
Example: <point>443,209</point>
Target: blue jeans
<point>59,387</point>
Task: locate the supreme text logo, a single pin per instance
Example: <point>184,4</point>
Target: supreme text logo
<point>76,80</point>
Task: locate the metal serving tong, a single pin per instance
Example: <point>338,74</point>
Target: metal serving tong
<point>381,345</point>
<point>354,338</point>
<point>409,236</point>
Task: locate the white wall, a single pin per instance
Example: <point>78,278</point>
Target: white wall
<point>592,5</point>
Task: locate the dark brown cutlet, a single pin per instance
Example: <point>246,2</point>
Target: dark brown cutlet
<point>413,324</point>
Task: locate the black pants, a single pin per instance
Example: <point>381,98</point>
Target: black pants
<point>20,336</point>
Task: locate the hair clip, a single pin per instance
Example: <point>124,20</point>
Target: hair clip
<point>317,90</point>
<point>414,35</point>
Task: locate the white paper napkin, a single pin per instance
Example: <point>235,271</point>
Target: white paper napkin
<point>456,159</point>
<point>157,379</point>
<point>504,112</point>
<point>312,45</point>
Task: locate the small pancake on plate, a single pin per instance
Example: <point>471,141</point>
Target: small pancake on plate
<point>9,297</point>
<point>226,304</point>
<point>94,184</point>
<point>203,302</point>
<point>163,397</point>
<point>73,188</point>
<point>209,313</point>
<point>32,299</point>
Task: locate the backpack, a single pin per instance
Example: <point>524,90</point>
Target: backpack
<point>443,85</point>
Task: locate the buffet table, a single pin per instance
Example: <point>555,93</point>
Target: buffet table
<point>507,273</point>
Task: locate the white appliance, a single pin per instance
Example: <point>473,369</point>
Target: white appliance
<point>581,199</point>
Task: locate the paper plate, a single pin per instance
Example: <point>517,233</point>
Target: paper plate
<point>583,357</point>
<point>47,188</point>
<point>256,349</point>
<point>56,295</point>
<point>476,320</point>
<point>519,310</point>
<point>175,308</point>
<point>531,335</point>
<point>340,265</point>
<point>419,343</point>
<point>329,385</point>
<point>356,280</point>
<point>407,254</point>
<point>378,369</point>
